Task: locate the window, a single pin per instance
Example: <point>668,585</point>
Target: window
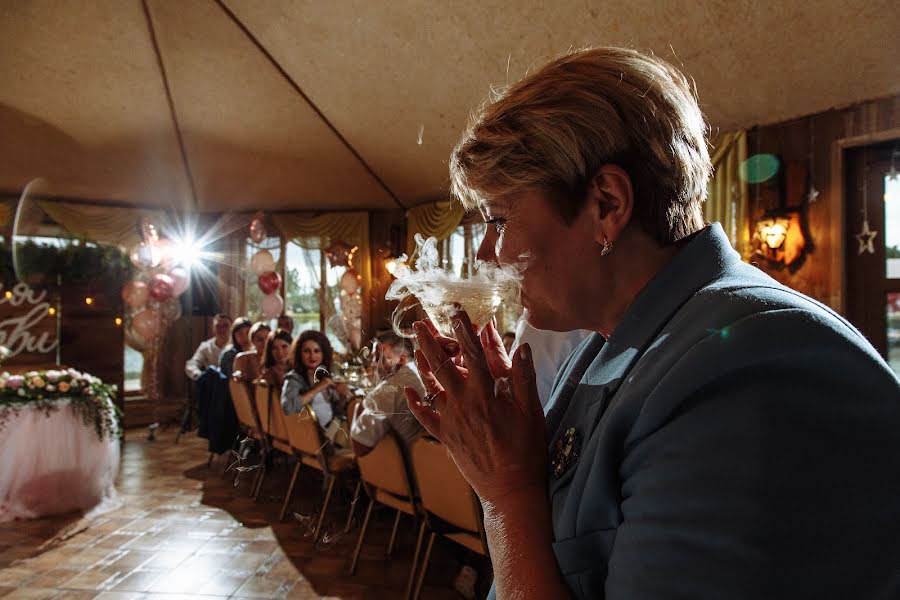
<point>892,226</point>
<point>253,294</point>
<point>310,303</point>
<point>307,301</point>
<point>134,365</point>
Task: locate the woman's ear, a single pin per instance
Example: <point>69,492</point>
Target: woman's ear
<point>610,200</point>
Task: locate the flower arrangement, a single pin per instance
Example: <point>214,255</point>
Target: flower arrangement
<point>88,396</point>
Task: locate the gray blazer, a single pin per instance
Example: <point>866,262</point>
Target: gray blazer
<point>735,439</point>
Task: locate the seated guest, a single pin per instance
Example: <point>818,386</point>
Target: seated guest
<point>246,364</point>
<point>509,339</point>
<point>385,407</point>
<point>240,341</point>
<point>549,350</point>
<point>287,323</point>
<point>276,360</point>
<point>313,350</point>
<point>209,351</point>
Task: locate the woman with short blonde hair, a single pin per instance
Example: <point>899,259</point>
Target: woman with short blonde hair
<point>693,443</point>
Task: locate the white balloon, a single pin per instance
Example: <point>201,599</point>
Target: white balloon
<point>262,262</point>
<point>272,306</point>
<point>182,280</point>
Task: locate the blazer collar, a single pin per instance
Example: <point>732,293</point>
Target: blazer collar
<point>598,370</point>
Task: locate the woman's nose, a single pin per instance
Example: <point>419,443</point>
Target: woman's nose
<point>487,250</point>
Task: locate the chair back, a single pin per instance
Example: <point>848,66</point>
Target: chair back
<point>444,491</point>
<point>385,467</point>
<point>278,425</point>
<point>262,404</point>
<point>304,433</point>
<point>243,407</point>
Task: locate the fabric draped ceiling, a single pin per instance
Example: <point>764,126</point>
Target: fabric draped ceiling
<point>319,231</point>
<point>103,224</point>
<point>727,199</point>
<point>438,219</point>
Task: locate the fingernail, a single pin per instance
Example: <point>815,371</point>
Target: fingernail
<point>452,347</point>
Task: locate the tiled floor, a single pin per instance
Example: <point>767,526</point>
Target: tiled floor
<point>185,532</point>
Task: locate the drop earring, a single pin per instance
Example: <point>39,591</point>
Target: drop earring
<point>606,248</point>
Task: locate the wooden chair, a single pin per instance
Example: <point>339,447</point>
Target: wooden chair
<point>451,507</point>
<point>245,408</point>
<point>271,418</point>
<point>387,480</point>
<point>309,445</point>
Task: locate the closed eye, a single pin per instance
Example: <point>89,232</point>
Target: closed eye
<point>499,223</point>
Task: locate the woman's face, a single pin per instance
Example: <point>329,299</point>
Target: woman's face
<point>528,230</point>
<point>311,354</point>
<point>259,340</point>
<point>242,337</point>
<point>281,351</point>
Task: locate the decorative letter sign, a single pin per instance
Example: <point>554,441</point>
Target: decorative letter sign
<point>27,326</point>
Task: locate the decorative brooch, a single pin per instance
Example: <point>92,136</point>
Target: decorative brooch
<point>568,448</point>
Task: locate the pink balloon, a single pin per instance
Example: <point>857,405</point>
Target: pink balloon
<point>181,279</point>
<point>149,232</point>
<point>350,281</point>
<point>144,256</point>
<point>269,282</point>
<point>272,306</point>
<point>165,248</point>
<point>161,287</point>
<point>135,294</point>
<point>146,323</point>
<point>170,310</point>
<point>258,228</point>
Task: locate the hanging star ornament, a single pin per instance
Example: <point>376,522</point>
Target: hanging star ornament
<point>893,174</point>
<point>866,238</point>
<point>813,194</point>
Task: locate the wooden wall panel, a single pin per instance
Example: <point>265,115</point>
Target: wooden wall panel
<point>383,226</point>
<point>816,138</point>
<point>90,339</point>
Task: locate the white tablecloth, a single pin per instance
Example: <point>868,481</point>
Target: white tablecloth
<point>55,464</point>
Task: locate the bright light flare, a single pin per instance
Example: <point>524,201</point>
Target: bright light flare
<point>187,252</point>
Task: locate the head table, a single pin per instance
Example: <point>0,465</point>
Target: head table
<point>58,453</point>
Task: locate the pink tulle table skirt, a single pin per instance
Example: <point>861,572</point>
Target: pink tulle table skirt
<point>54,464</point>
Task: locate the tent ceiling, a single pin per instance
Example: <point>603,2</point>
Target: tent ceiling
<point>318,105</point>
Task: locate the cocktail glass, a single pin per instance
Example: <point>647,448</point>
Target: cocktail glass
<point>440,298</point>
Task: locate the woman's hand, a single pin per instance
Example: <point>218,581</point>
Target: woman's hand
<point>486,411</point>
<point>320,386</point>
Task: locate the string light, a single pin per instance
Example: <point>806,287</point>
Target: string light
<point>118,321</point>
<point>8,294</point>
<point>88,300</point>
<point>51,311</point>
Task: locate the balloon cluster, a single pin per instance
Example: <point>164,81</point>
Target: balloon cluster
<point>152,296</point>
<point>349,326</point>
<point>152,300</point>
<point>263,266</point>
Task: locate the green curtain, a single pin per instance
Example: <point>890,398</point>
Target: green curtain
<point>727,199</point>
<point>438,219</point>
